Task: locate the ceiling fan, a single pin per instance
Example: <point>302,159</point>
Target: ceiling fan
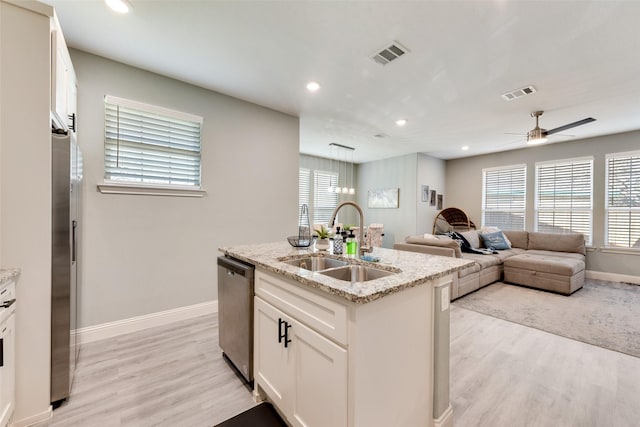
<point>537,135</point>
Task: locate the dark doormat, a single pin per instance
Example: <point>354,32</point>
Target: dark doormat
<point>262,415</point>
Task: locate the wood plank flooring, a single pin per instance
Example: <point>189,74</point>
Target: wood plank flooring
<point>503,375</point>
<point>165,376</point>
<point>506,374</point>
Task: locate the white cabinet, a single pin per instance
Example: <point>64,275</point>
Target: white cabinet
<point>7,352</point>
<point>298,368</point>
<point>63,81</point>
<point>325,361</point>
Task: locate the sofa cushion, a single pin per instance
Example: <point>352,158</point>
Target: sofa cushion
<point>472,237</point>
<point>495,240</point>
<point>442,241</point>
<point>556,254</point>
<point>545,263</point>
<point>485,261</point>
<point>508,253</point>
<point>518,238</point>
<point>569,242</point>
<point>474,268</point>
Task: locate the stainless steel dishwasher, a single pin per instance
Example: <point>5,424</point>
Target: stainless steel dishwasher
<point>235,314</point>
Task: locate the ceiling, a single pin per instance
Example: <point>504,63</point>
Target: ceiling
<point>581,57</point>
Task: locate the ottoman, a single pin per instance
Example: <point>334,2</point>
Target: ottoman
<point>550,273</point>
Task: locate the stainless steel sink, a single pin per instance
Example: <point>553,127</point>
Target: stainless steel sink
<point>316,263</point>
<point>356,273</point>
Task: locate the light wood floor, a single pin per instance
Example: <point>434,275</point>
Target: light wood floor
<point>165,376</point>
<point>502,374</point>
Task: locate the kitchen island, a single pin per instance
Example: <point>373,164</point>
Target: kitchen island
<point>329,351</point>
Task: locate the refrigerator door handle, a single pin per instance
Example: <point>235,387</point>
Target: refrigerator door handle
<point>74,224</point>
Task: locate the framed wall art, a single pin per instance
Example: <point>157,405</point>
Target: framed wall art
<point>432,198</point>
<point>383,199</point>
<point>425,193</point>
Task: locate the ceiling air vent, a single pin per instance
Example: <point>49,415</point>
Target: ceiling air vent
<point>390,53</point>
<point>509,96</point>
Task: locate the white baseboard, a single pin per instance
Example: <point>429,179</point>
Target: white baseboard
<point>34,419</point>
<point>139,323</point>
<point>612,277</point>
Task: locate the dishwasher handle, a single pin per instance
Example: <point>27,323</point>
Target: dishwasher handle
<point>234,266</point>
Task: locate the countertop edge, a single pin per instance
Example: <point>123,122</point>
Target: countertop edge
<point>352,297</point>
<point>7,274</point>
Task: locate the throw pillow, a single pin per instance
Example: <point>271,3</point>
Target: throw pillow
<point>495,240</point>
<point>490,229</point>
<point>472,237</point>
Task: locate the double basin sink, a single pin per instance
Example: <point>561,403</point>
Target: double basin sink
<point>339,269</point>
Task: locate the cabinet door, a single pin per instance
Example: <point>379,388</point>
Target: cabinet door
<point>271,358</point>
<point>7,370</point>
<point>320,379</point>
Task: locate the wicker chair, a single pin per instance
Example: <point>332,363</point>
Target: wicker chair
<point>451,219</point>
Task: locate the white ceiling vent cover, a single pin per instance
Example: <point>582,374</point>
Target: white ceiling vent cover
<point>509,96</point>
<point>390,53</point>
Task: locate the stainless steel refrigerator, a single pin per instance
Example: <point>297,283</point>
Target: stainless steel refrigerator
<point>66,174</point>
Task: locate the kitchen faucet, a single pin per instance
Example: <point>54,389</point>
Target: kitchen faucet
<point>363,248</point>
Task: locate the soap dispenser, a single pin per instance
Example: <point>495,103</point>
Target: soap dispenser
<point>337,242</point>
<point>352,244</point>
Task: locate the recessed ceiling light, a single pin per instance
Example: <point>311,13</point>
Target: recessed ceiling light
<point>464,147</point>
<point>313,86</point>
<point>401,122</point>
<point>120,6</point>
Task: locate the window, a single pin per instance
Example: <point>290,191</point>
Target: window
<point>145,144</point>
<point>304,189</point>
<point>564,201</point>
<point>324,202</point>
<point>623,200</point>
<point>504,197</point>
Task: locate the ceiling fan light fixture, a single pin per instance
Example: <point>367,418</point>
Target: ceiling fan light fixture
<point>536,136</point>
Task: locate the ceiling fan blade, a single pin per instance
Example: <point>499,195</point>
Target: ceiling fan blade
<point>570,125</point>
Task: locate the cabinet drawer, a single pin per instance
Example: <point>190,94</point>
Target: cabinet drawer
<point>324,315</point>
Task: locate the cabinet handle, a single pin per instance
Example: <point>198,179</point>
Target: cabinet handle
<point>1,352</point>
<point>7,304</point>
<point>72,126</point>
<point>286,334</point>
<point>280,335</point>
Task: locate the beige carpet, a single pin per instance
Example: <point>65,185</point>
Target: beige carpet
<point>606,314</point>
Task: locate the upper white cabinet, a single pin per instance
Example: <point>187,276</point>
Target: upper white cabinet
<point>63,81</point>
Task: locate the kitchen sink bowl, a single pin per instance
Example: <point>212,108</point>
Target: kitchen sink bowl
<point>316,263</point>
<point>357,273</point>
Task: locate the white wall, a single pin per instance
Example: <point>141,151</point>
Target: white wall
<point>407,173</point>
<point>144,254</point>
<point>464,187</point>
<point>431,172</point>
<point>25,188</point>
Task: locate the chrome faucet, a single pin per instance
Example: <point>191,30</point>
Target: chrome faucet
<point>363,248</point>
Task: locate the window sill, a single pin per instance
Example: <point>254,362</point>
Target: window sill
<point>625,251</point>
<point>149,190</point>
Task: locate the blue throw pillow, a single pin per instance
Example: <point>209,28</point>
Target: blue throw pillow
<point>495,240</point>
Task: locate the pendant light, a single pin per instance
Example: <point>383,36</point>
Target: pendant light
<point>342,158</point>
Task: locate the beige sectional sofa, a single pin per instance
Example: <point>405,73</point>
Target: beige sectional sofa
<point>553,262</point>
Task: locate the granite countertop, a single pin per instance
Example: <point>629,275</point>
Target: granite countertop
<point>8,274</point>
<point>412,269</point>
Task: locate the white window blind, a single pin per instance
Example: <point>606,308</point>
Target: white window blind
<point>304,190</point>
<point>504,197</point>
<point>324,202</point>
<point>150,145</point>
<point>564,197</point>
<point>623,200</point>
